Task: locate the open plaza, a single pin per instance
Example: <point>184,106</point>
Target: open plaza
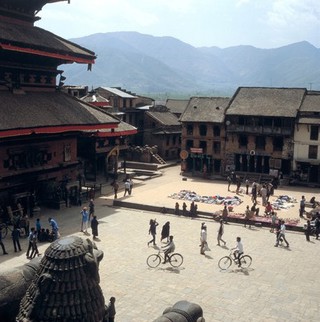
<point>282,284</point>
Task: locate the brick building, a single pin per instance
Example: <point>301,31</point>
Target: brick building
<point>39,124</point>
<point>203,135</point>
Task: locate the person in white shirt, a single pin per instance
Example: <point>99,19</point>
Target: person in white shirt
<point>168,248</point>
<point>127,188</point>
<point>203,239</point>
<point>282,234</point>
<point>238,250</point>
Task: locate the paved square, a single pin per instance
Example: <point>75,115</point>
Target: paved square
<point>281,284</point>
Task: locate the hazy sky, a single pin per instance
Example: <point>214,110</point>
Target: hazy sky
<point>222,23</point>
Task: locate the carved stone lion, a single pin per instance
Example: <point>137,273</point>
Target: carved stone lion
<point>66,286</point>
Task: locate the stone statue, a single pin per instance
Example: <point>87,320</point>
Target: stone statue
<point>13,285</point>
<point>66,286</point>
<point>182,311</point>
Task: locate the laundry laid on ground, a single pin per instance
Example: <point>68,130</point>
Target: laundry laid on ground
<point>216,199</point>
<point>283,202</point>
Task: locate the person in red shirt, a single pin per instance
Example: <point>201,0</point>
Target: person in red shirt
<point>268,210</point>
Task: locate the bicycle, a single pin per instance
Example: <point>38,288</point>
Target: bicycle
<point>154,260</point>
<point>226,261</point>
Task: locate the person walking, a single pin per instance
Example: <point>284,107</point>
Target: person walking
<point>263,193</point>
<point>153,231</point>
<point>126,188</point>
<point>110,310</point>
<point>307,231</point>
<point>91,209</point>
<point>282,235</point>
<point>203,239</point>
<point>165,232</point>
<point>35,250</point>
<point>229,179</point>
<point>131,186</point>
<point>302,206</point>
<point>2,245</point>
<point>54,228</point>
<point>273,221</point>
<point>94,227</point>
<point>115,186</point>
<point>254,192</point>
<point>225,213</point>
<point>84,220</point>
<point>238,183</point>
<point>38,228</point>
<point>247,216</point>
<point>220,233</point>
<point>247,186</point>
<point>16,239</point>
<point>29,249</point>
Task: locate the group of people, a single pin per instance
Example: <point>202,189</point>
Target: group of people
<point>128,186</point>
<point>192,212</point>
<point>35,234</point>
<point>89,217</point>
<point>237,250</point>
<point>165,232</point>
<point>169,245</point>
<point>203,237</point>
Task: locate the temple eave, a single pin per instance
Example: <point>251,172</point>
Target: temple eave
<point>55,129</point>
<point>60,56</point>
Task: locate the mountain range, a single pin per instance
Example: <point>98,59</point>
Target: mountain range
<point>152,65</point>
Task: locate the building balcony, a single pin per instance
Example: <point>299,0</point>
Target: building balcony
<point>258,129</point>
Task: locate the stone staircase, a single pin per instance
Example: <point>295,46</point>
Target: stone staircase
<point>158,159</point>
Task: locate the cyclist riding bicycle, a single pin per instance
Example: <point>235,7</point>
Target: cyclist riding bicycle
<point>168,248</point>
<point>238,251</point>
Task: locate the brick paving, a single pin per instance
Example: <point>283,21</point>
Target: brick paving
<point>281,284</point>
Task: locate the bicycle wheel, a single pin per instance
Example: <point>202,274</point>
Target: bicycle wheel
<point>245,261</point>
<point>4,231</point>
<point>176,260</point>
<point>225,262</point>
<point>153,260</point>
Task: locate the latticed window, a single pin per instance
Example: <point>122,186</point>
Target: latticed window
<point>189,129</point>
<point>203,130</point>
<point>313,152</point>
<point>314,132</point>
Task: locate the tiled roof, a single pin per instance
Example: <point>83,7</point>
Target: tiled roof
<point>42,109</point>
<point>264,101</point>
<point>66,286</point>
<point>164,118</point>
<point>35,38</point>
<point>205,109</point>
<point>94,98</point>
<point>176,106</point>
<point>123,128</point>
<point>311,103</point>
<point>117,92</point>
<point>31,6</point>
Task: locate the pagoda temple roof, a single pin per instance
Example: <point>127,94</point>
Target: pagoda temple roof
<point>37,41</point>
<point>45,112</point>
<point>24,10</point>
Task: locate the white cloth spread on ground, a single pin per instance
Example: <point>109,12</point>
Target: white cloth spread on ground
<point>216,199</point>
